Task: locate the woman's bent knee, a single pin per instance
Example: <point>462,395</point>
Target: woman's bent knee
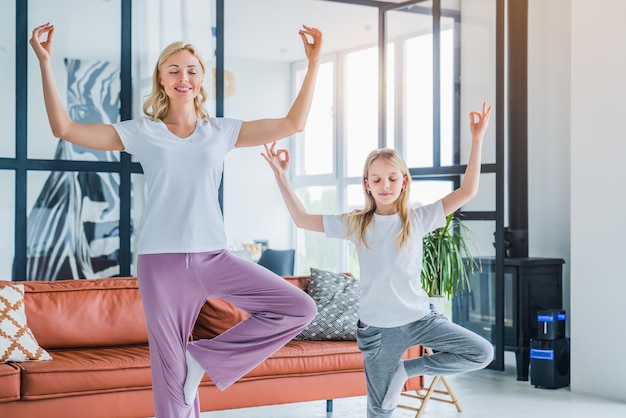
<point>309,309</point>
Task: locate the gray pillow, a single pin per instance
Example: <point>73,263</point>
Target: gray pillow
<point>337,298</point>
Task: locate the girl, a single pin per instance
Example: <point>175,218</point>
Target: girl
<point>394,310</point>
<point>182,258</point>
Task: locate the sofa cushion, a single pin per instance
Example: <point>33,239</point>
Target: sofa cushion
<point>87,371</point>
<point>303,358</point>
<point>17,342</point>
<point>301,282</point>
<point>337,299</point>
<point>9,383</point>
<point>217,315</point>
<point>91,371</point>
<point>86,313</point>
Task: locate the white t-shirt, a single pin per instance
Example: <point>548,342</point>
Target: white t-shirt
<point>183,176</point>
<point>391,289</point>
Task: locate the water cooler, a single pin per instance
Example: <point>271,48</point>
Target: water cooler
<point>549,352</point>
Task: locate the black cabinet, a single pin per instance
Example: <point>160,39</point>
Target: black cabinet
<point>530,285</point>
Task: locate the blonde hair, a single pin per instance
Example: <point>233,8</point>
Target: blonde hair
<point>157,104</point>
<point>359,220</point>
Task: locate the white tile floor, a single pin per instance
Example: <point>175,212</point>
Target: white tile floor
<point>481,394</point>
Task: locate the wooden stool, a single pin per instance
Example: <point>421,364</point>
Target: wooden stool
<point>426,394</point>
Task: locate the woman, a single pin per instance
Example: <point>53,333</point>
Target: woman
<point>182,258</point>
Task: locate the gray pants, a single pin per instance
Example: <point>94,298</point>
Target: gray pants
<point>456,350</point>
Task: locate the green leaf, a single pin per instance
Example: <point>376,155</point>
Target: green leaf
<point>447,259</point>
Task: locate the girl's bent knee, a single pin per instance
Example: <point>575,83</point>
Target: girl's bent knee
<point>485,354</point>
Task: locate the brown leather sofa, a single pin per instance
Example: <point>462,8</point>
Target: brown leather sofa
<point>95,331</point>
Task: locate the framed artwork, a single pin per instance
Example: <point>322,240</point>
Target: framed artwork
<point>73,227</point>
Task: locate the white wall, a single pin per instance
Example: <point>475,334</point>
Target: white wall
<point>253,207</point>
<point>576,144</point>
<point>549,134</point>
<point>598,226</point>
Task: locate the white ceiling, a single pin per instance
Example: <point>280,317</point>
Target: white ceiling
<point>253,29</point>
<point>267,29</point>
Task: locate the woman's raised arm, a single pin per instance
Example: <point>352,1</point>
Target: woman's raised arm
<point>264,131</point>
<point>90,135</point>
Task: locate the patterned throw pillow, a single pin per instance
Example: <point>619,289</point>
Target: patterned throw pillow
<point>17,342</point>
<point>337,300</point>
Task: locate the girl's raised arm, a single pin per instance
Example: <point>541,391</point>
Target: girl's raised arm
<point>469,187</point>
<point>279,161</point>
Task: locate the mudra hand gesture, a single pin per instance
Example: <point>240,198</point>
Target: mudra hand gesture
<point>311,49</point>
<point>277,159</point>
<point>479,122</point>
<point>43,49</point>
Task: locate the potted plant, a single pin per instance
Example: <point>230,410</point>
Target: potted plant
<point>446,261</point>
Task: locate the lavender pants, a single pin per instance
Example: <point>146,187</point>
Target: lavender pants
<point>174,287</point>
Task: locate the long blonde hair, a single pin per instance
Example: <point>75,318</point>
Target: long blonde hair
<point>157,104</point>
<point>360,219</point>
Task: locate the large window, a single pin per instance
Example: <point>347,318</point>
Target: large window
<point>409,126</point>
<point>360,100</point>
<point>316,156</point>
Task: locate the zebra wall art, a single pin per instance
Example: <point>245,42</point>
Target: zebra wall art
<point>73,225</point>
